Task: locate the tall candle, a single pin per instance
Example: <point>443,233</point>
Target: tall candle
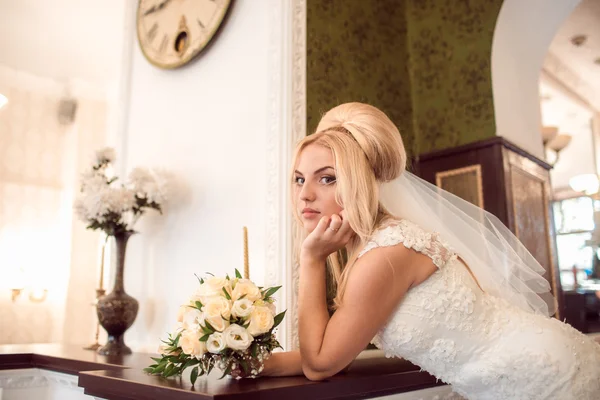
<point>101,284</point>
<point>246,264</point>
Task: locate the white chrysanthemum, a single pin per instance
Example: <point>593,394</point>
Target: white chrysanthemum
<point>149,185</point>
<point>97,204</point>
<point>105,155</point>
<point>92,181</point>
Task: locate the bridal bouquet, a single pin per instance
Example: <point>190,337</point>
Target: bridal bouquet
<point>228,323</point>
<point>114,208</point>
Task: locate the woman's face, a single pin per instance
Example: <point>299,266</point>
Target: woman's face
<point>315,185</point>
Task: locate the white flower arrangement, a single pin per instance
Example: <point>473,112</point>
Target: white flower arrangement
<point>106,205</point>
<point>228,323</point>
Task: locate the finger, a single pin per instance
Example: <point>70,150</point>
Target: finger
<point>336,223</point>
<point>322,225</point>
<point>345,227</point>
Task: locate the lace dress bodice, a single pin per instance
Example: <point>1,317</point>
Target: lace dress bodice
<point>480,344</point>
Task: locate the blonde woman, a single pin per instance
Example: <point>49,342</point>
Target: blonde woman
<point>429,277</point>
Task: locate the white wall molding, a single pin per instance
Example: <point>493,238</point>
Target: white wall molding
<point>298,131</point>
<point>35,377</point>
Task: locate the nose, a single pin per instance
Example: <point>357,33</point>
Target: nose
<point>307,192</point>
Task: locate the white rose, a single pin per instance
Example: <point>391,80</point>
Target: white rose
<point>218,323</point>
<point>261,321</point>
<point>192,319</point>
<point>191,345</point>
<point>247,288</point>
<point>178,328</point>
<point>241,308</point>
<point>211,287</point>
<point>217,312</point>
<point>237,338</point>
<point>181,312</point>
<point>271,306</point>
<point>215,343</point>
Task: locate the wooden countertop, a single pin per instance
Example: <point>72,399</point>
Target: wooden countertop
<point>122,378</point>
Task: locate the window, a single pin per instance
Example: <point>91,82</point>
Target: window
<point>575,237</point>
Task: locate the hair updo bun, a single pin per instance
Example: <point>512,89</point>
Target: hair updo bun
<point>374,132</point>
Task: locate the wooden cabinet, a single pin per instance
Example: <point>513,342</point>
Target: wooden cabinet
<point>510,183</point>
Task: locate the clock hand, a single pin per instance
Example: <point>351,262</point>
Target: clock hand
<point>156,7</point>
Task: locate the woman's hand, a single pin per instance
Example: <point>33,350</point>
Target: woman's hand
<point>330,235</point>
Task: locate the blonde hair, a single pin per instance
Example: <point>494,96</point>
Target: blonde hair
<point>368,150</point>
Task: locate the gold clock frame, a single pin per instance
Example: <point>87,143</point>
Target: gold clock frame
<point>185,60</point>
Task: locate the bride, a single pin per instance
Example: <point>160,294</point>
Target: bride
<point>428,277</point>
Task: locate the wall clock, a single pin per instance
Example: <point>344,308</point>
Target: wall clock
<point>172,32</point>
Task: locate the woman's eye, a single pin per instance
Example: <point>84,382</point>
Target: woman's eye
<point>299,180</point>
<point>328,180</point>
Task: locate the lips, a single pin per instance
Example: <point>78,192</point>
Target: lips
<point>309,211</point>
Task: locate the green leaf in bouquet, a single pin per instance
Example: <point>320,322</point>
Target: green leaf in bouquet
<point>176,341</point>
<point>194,375</point>
<point>254,349</point>
<point>210,327</point>
<point>198,305</point>
<point>205,337</point>
<point>149,370</point>
<point>160,368</point>
<point>237,274</point>
<point>226,294</point>
<point>210,273</point>
<point>244,365</point>
<point>168,370</point>
<point>200,280</point>
<point>243,296</point>
<point>226,372</point>
<point>156,359</point>
<point>278,318</point>
<point>246,325</point>
<point>227,277</point>
<point>189,363</point>
<point>271,291</point>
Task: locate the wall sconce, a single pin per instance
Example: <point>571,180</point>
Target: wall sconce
<point>35,295</point>
<point>554,141</point>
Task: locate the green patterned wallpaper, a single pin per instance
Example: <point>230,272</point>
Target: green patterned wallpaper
<point>356,51</point>
<point>426,63</point>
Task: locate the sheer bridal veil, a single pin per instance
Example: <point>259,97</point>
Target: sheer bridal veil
<point>500,262</point>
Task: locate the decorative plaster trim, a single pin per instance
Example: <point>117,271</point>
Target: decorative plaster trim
<point>30,378</point>
<point>298,132</point>
<point>287,123</point>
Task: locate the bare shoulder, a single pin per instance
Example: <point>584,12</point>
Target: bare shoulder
<point>391,268</point>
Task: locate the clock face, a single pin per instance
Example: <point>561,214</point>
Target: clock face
<point>172,32</point>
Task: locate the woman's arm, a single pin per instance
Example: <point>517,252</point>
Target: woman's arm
<point>287,363</point>
<point>376,284</point>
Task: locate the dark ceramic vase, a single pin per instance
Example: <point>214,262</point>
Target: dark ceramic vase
<point>117,310</point>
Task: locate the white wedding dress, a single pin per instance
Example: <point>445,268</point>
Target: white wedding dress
<point>481,345</point>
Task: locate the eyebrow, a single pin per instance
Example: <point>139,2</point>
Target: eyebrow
<point>317,171</point>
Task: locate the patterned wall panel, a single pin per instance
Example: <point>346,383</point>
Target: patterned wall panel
<point>356,51</point>
<point>424,62</point>
<point>463,182</point>
<point>450,45</point>
<point>531,219</point>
